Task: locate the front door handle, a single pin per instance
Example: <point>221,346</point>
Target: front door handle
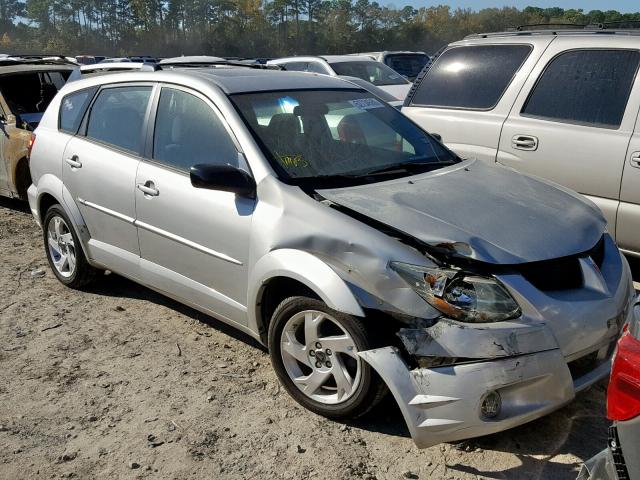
<point>524,142</point>
<point>148,188</point>
<point>635,159</point>
<point>74,161</point>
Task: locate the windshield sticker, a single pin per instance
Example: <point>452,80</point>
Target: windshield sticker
<point>366,103</point>
<point>292,161</point>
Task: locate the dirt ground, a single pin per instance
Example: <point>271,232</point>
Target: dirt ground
<point>120,382</point>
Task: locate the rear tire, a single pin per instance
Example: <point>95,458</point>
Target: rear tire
<point>64,251</point>
<point>314,349</point>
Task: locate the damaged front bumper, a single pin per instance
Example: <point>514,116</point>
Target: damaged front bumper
<point>444,404</point>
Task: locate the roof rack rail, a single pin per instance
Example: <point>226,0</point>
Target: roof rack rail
<point>606,28</point>
<point>178,63</point>
<point>618,23</point>
<point>552,26</point>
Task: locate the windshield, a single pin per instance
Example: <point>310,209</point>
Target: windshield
<point>373,72</point>
<point>337,137</point>
<point>407,64</point>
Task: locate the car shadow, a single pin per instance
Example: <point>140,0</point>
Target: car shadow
<point>15,204</point>
<point>114,285</point>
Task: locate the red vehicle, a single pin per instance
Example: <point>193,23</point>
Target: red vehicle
<point>620,460</point>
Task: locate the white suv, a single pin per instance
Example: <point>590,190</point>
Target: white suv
<point>557,104</point>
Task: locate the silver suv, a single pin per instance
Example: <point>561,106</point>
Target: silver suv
<point>561,104</point>
<point>311,215</point>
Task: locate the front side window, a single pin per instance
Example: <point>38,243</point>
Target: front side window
<point>327,137</point>
<point>117,117</point>
<point>473,77</point>
<point>72,108</point>
<point>188,132</point>
<point>373,72</point>
<point>588,87</point>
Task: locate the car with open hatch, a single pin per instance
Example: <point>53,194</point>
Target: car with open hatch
<point>367,257</point>
<point>27,85</point>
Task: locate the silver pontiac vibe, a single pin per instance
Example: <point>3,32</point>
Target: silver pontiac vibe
<point>368,257</point>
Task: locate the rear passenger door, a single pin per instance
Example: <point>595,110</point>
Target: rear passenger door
<point>573,119</point>
<point>99,171</point>
<point>194,243</point>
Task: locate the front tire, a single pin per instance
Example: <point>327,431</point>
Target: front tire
<point>314,350</point>
<point>63,249</point>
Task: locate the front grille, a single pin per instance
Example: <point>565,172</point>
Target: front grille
<point>561,273</point>
<point>616,453</point>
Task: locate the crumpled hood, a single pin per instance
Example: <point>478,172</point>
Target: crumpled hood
<point>483,212</point>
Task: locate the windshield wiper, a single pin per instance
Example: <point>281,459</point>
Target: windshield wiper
<point>404,166</point>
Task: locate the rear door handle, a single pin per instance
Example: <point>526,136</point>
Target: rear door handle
<point>635,159</point>
<point>74,161</point>
<point>524,142</point>
<point>148,188</point>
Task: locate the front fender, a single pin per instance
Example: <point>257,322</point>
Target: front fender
<point>307,269</point>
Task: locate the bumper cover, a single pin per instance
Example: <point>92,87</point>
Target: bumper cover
<point>443,404</point>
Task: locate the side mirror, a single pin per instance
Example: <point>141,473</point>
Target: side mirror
<point>223,177</point>
<point>437,136</point>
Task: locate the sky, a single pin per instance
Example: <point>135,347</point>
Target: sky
<point>624,6</point>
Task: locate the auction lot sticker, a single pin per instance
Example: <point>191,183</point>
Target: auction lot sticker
<point>366,103</point>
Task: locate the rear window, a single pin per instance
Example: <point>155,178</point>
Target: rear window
<point>587,87</point>
<point>473,77</point>
<point>72,109</point>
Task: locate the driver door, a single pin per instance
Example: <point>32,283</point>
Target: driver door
<point>194,243</point>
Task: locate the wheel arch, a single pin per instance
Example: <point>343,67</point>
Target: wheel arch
<point>51,191</point>
<point>287,272</point>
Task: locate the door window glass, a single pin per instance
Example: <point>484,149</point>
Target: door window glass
<point>472,77</point>
<point>117,117</point>
<point>188,132</point>
<point>589,87</point>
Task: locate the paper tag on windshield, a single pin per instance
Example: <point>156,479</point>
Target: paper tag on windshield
<point>366,103</point>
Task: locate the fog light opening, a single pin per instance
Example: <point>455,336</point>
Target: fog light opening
<point>491,405</point>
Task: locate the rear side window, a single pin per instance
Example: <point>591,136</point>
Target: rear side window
<point>588,87</point>
<point>72,109</point>
<point>472,77</point>
<point>189,132</point>
<point>117,117</point>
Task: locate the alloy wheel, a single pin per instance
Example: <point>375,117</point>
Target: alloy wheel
<point>62,249</point>
<point>320,357</point>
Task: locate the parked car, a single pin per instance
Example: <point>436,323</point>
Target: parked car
<point>559,104</point>
<point>619,461</point>
<point>319,220</point>
<point>363,67</point>
<point>407,64</point>
<point>115,60</point>
<point>27,85</point>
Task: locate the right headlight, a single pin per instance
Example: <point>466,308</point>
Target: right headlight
<point>459,295</point>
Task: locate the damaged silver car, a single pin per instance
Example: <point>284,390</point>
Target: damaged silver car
<point>367,256</point>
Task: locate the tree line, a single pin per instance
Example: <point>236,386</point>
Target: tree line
<point>254,28</point>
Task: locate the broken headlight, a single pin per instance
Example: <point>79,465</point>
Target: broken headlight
<point>459,295</point>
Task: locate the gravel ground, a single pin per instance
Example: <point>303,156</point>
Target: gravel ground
<point>120,382</point>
